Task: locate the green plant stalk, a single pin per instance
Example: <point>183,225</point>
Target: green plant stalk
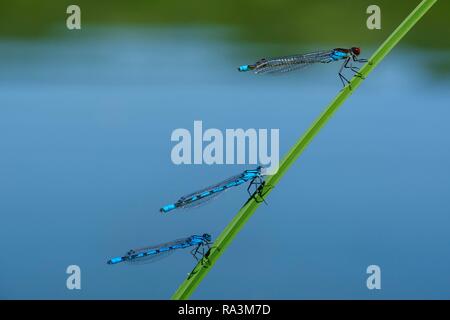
<point>226,237</point>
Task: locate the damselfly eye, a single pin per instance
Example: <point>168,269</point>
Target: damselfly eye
<point>356,51</point>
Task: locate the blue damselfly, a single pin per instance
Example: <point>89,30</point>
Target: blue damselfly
<point>299,61</point>
<point>199,197</point>
<point>150,254</point>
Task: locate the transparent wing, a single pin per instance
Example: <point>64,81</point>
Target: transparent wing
<point>212,187</point>
<point>150,259</point>
<point>214,191</point>
<point>281,69</point>
<point>202,201</point>
<point>157,252</point>
<point>290,63</point>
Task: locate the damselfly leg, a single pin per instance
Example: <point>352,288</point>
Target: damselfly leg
<point>354,69</point>
<point>258,184</point>
<point>203,259</point>
<point>344,80</point>
<point>195,251</point>
<point>348,65</point>
<point>199,252</point>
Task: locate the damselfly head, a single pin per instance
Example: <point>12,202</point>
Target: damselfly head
<point>207,237</point>
<point>356,51</point>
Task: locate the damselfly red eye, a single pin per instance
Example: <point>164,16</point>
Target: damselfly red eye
<point>356,51</point>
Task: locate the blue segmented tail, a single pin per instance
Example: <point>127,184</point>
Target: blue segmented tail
<point>116,260</point>
<point>167,208</point>
<point>247,67</point>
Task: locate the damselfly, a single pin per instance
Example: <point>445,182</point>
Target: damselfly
<point>199,197</point>
<point>150,254</point>
<point>299,61</point>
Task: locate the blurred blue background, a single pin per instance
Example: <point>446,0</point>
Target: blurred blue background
<point>85,124</point>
